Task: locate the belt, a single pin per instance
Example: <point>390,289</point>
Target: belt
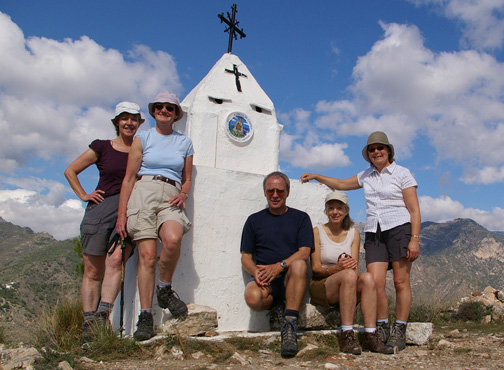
<point>161,178</point>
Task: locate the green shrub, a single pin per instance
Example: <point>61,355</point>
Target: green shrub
<point>470,311</point>
<point>423,313</point>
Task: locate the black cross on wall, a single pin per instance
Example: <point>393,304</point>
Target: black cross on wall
<point>232,27</point>
<point>237,76</point>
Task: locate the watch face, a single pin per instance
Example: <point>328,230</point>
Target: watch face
<point>239,127</point>
<point>283,264</point>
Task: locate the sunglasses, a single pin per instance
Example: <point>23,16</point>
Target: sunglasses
<point>280,192</point>
<point>371,150</point>
<point>169,107</point>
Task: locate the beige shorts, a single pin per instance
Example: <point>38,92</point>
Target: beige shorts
<point>318,291</point>
<point>148,208</point>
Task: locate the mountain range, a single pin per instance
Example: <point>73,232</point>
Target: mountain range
<point>456,258</point>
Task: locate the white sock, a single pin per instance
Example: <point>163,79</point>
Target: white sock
<point>346,327</point>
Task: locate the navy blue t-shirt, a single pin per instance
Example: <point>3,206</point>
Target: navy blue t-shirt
<point>274,238</point>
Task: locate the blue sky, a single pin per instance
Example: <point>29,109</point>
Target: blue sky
<point>430,73</point>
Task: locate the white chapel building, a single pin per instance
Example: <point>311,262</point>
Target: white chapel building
<point>236,136</point>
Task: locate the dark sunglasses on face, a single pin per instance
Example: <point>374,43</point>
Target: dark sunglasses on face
<point>372,149</point>
<point>280,192</point>
<point>169,107</point>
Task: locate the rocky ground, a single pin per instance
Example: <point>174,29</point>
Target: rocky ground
<point>449,348</point>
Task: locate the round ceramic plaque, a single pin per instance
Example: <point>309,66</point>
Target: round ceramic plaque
<point>239,127</point>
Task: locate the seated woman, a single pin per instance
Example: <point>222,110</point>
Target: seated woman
<point>336,279</point>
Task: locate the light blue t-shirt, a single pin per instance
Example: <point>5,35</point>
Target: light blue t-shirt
<point>164,154</point>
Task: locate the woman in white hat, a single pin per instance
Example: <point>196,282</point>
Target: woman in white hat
<point>336,280</point>
<point>110,156</point>
<point>392,228</point>
<point>153,195</point>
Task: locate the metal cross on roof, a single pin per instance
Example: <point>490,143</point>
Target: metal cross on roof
<point>232,26</point>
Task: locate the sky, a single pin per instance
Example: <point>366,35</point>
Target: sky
<point>429,73</point>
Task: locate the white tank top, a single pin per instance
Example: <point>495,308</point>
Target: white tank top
<point>330,251</point>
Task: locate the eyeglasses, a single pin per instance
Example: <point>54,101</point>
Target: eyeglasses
<point>280,192</point>
<point>372,149</point>
<point>169,107</point>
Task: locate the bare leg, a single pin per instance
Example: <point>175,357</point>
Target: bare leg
<point>379,272</point>
<point>113,269</point>
<point>170,234</point>
<point>295,284</point>
<point>366,289</point>
<point>341,288</point>
<point>147,258</point>
<point>94,267</point>
<point>402,269</point>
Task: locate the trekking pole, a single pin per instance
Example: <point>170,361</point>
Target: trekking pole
<point>121,317</point>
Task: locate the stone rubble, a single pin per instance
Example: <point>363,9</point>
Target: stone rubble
<point>492,299</point>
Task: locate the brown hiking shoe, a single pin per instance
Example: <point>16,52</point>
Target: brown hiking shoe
<point>348,343</point>
<point>372,343</point>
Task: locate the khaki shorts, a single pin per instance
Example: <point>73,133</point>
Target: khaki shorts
<point>318,291</point>
<point>148,208</point>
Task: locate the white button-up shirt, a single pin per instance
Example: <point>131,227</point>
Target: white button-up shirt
<point>384,200</point>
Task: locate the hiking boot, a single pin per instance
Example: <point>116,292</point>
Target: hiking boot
<point>383,330</point>
<point>372,343</point>
<point>167,298</point>
<point>145,327</point>
<point>87,330</point>
<point>348,343</point>
<point>397,337</point>
<point>276,318</point>
<point>289,347</point>
<point>102,319</point>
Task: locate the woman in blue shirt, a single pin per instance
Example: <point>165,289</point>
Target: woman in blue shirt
<point>151,206</point>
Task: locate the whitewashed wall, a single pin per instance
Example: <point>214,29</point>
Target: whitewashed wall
<point>209,271</point>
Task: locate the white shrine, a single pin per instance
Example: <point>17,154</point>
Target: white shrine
<point>233,126</point>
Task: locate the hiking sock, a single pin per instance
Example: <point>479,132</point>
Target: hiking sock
<point>383,320</point>
<point>89,315</point>
<point>105,307</point>
<point>162,284</point>
<point>369,330</point>
<point>291,315</point>
<point>401,322</point>
<point>148,310</point>
<point>346,327</point>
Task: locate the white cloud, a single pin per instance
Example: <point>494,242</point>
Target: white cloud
<point>481,20</point>
<point>41,206</point>
<point>58,96</point>
<point>319,156</point>
<point>444,208</point>
<point>487,175</point>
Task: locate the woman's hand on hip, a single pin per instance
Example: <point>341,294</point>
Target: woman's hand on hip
<point>96,197</point>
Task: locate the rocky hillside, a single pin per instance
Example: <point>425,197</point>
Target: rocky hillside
<point>36,270</point>
<point>456,258</point>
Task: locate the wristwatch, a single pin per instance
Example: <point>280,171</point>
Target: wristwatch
<point>283,264</point>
